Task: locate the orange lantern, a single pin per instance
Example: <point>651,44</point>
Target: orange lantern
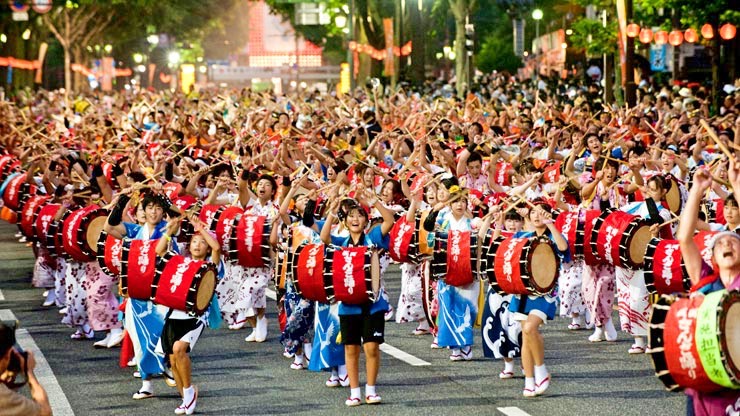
<point>646,35</point>
<point>707,31</point>
<point>633,29</point>
<point>675,38</point>
<point>727,31</point>
<point>690,35</point>
<point>661,37</point>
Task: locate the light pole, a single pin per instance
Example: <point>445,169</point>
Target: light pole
<point>537,16</point>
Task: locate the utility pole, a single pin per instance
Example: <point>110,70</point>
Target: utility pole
<point>630,89</point>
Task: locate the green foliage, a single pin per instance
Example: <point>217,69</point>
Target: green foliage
<point>591,36</point>
<point>497,53</point>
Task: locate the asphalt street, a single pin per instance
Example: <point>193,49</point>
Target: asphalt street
<point>239,378</point>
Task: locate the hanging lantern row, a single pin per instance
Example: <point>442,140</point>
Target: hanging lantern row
<point>677,37</point>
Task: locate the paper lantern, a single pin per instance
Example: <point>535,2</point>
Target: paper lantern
<point>707,31</point>
<point>675,38</point>
<point>727,31</point>
<point>690,35</point>
<point>633,29</point>
<point>646,35</point>
<point>661,37</point>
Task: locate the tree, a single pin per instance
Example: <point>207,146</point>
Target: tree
<point>497,53</point>
<point>78,24</point>
<point>461,10</point>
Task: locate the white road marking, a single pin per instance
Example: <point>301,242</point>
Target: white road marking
<point>512,411</point>
<point>386,348</point>
<point>59,404</point>
<point>2,297</point>
<point>402,355</point>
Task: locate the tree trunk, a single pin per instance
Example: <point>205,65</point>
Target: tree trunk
<point>418,52</point>
<point>461,58</point>
<point>67,69</point>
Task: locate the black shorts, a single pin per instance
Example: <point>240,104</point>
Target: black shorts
<point>175,329</point>
<point>359,329</point>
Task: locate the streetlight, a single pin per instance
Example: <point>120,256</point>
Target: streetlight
<point>3,38</point>
<point>173,57</point>
<point>153,39</point>
<point>138,58</point>
<point>108,48</point>
<point>26,34</point>
<point>537,16</point>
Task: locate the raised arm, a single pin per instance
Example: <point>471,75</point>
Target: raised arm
<point>689,251</point>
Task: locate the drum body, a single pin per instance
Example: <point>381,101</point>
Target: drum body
<point>138,267</point>
<point>525,266</point>
<point>184,284</point>
<point>329,274</point>
<point>30,213</point>
<point>13,192</point>
<point>620,239</point>
<point>665,273</point>
<point>45,217</point>
<point>110,254</point>
<point>250,241</point>
<point>584,237</point>
<point>455,257</point>
<point>223,225</point>
<point>678,326</point>
<point>567,223</point>
<point>81,231</point>
<point>702,240</point>
<point>404,241</point>
<point>424,248</point>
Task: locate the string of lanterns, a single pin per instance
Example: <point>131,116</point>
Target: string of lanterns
<point>676,37</point>
<point>380,54</point>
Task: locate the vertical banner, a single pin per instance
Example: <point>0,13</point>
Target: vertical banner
<point>389,56</point>
<point>106,79</point>
<point>622,20</point>
<point>42,55</point>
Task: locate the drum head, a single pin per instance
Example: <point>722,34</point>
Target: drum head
<point>638,245</point>
<point>205,290</point>
<point>94,230</point>
<point>375,273</point>
<point>544,267</point>
<point>673,197</point>
<point>731,333</point>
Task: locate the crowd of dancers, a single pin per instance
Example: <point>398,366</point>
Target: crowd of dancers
<point>155,215</point>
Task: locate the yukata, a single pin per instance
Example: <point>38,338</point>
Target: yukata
<point>458,305</point>
<point>299,311</point>
<point>44,268</point>
<point>144,320</point>
<point>632,294</point>
<point>245,291</point>
<point>411,300</point>
<point>102,304</point>
<point>75,293</point>
<point>501,333</point>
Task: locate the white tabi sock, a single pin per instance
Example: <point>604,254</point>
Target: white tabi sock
<point>146,385</point>
<point>355,393</point>
<point>640,341</point>
<point>369,390</point>
<point>509,366</point>
<point>540,372</point>
<point>529,383</point>
<point>187,395</point>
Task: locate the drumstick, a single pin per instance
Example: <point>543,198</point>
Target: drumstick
<point>716,139</point>
<point>670,221</point>
<point>720,181</point>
